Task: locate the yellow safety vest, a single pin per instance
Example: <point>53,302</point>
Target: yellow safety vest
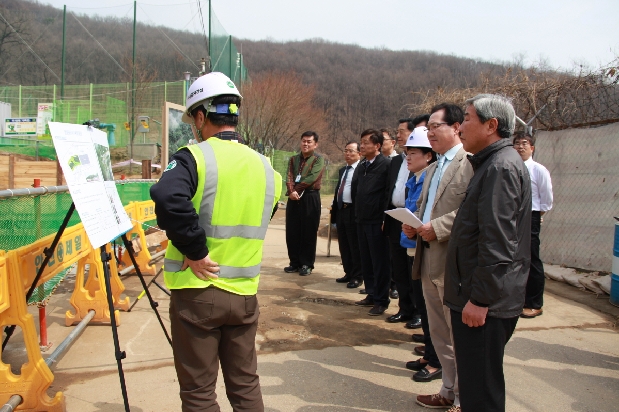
<point>237,190</point>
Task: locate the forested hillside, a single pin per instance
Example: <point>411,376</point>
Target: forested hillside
<point>350,87</point>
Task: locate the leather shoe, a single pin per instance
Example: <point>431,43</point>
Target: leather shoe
<point>291,269</point>
<point>365,302</point>
<point>343,279</point>
<point>394,294</point>
<point>377,310</point>
<point>354,284</point>
<point>363,292</point>
<point>529,313</point>
<point>398,317</point>
<point>415,323</point>
<point>420,350</point>
<point>419,338</point>
<point>416,365</point>
<point>424,376</point>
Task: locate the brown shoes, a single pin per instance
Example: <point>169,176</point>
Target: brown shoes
<point>436,401</point>
<point>531,313</point>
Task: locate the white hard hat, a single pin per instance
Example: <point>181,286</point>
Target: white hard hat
<point>206,87</point>
<point>419,138</point>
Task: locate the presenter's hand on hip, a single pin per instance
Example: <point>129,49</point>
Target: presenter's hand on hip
<point>204,268</point>
<point>474,315</point>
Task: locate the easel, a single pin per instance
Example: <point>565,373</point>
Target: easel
<point>105,258</point>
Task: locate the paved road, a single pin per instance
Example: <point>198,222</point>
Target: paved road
<point>318,352</point>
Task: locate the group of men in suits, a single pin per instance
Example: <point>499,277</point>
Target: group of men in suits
<point>470,266</point>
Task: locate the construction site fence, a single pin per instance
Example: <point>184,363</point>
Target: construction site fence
<point>27,215</point>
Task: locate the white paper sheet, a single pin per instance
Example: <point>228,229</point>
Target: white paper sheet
<point>84,156</point>
<point>405,216</point>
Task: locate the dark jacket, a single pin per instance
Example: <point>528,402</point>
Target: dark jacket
<point>337,188</point>
<point>489,249</point>
<point>368,189</point>
<point>393,227</point>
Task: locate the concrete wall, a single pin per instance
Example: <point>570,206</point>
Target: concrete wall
<point>583,164</point>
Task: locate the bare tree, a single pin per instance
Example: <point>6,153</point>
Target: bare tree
<point>277,108</point>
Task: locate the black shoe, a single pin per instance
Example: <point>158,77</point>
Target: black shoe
<point>416,365</point>
<point>365,302</point>
<point>291,269</point>
<point>343,279</point>
<point>418,337</point>
<point>305,270</point>
<point>394,294</point>
<point>398,317</point>
<point>377,310</point>
<point>354,284</point>
<point>425,376</point>
<point>363,292</point>
<point>415,323</point>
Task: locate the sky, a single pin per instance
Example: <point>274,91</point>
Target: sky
<point>559,33</point>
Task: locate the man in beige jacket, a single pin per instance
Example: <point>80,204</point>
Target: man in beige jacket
<point>443,191</point>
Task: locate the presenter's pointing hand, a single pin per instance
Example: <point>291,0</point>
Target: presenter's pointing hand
<point>204,268</point>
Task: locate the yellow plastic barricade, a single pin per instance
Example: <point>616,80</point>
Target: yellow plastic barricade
<point>4,284</point>
<point>73,246</point>
<point>35,377</point>
<point>140,212</point>
<point>91,294</point>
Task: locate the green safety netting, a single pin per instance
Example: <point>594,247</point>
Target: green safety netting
<point>224,56</point>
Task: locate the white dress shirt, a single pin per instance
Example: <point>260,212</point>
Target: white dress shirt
<point>541,186</point>
<point>398,199</point>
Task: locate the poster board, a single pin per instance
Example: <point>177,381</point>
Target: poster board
<point>175,133</point>
<point>84,155</point>
<point>20,126</point>
<point>45,114</point>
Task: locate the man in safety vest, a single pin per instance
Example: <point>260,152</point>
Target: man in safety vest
<point>215,200</point>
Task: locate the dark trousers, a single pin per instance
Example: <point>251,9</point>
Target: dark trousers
<point>348,242</point>
<point>374,258</point>
<point>420,303</point>
<point>302,220</point>
<point>534,298</point>
<point>479,361</point>
<point>401,275</point>
<point>211,326</point>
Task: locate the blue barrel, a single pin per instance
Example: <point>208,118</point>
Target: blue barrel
<point>614,280</point>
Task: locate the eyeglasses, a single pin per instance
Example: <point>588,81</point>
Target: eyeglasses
<point>433,126</point>
<point>350,151</point>
<point>523,143</point>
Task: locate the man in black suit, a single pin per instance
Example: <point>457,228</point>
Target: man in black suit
<point>369,185</point>
<point>343,213</point>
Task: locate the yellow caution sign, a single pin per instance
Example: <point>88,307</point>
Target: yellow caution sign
<point>127,126</point>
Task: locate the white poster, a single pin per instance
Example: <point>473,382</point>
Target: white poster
<point>45,114</point>
<point>84,156</point>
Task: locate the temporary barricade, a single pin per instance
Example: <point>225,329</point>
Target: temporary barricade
<point>35,376</point>
<point>140,212</point>
<point>18,269</point>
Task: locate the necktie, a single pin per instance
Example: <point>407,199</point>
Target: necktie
<point>340,192</point>
<point>436,178</point>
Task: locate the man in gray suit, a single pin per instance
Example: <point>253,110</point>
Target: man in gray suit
<point>443,191</point>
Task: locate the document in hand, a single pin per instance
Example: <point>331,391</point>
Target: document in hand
<point>405,216</point>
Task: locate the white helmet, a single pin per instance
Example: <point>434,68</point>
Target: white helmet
<point>419,138</point>
<point>205,88</point>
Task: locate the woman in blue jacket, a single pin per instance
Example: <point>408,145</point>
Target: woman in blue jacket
<point>419,156</point>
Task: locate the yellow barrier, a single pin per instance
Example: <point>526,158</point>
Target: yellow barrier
<point>35,376</point>
<point>4,284</point>
<point>91,294</point>
<point>140,212</point>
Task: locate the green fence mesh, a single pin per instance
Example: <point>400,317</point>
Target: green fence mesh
<point>110,103</point>
<point>223,53</point>
<point>26,219</point>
